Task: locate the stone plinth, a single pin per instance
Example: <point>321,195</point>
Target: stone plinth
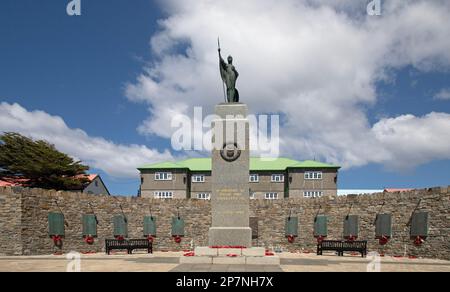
<point>230,175</point>
<point>215,252</point>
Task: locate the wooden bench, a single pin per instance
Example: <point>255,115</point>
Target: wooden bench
<point>128,244</point>
<point>342,246</point>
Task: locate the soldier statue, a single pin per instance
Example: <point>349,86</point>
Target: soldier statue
<point>229,76</point>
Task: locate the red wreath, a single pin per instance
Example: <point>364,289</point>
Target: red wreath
<point>351,238</point>
<point>89,240</point>
<point>177,239</point>
<point>57,240</point>
<point>291,238</point>
<point>120,237</point>
<point>320,239</point>
<point>419,240</point>
<point>383,240</point>
<point>150,238</point>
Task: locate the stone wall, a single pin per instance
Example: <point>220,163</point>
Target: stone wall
<point>272,216</point>
<point>36,204</point>
<point>10,222</point>
<point>24,226</point>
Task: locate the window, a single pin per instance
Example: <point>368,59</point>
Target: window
<point>252,196</point>
<point>271,196</point>
<point>163,195</point>
<point>96,184</point>
<point>205,196</point>
<point>254,178</point>
<point>309,175</point>
<point>313,194</point>
<point>163,176</point>
<point>198,178</point>
<point>277,178</point>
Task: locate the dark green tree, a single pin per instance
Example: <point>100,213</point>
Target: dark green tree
<point>38,164</point>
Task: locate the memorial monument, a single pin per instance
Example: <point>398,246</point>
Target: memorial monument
<point>230,166</point>
<point>230,231</point>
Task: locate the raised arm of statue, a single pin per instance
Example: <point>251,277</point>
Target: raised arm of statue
<point>222,63</point>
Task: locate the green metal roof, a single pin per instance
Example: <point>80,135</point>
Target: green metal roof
<point>197,164</point>
<point>313,164</point>
<point>271,164</point>
<point>162,165</point>
<point>256,164</point>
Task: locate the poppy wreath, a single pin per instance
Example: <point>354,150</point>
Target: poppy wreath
<point>383,240</point>
<point>120,237</point>
<point>351,238</point>
<point>320,239</point>
<point>150,238</point>
<point>57,240</point>
<point>291,238</point>
<point>419,240</point>
<point>89,239</point>
<point>177,238</point>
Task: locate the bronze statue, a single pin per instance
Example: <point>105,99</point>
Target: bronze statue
<point>229,76</point>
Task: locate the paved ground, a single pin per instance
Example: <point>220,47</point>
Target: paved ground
<point>227,268</point>
<point>164,262</point>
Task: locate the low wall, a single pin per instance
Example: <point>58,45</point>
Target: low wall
<point>24,226</point>
<point>10,222</point>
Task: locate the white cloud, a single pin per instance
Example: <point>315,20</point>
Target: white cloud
<point>444,94</point>
<point>313,61</point>
<point>116,160</point>
<point>412,140</point>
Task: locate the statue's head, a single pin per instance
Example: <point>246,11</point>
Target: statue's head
<point>230,60</point>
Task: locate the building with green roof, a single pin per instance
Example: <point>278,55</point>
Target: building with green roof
<point>269,179</point>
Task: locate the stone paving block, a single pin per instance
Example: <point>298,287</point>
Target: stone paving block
<point>254,252</point>
<point>196,260</point>
<point>274,260</point>
<point>229,261</point>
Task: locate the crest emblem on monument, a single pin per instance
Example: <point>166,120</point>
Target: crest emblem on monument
<point>230,152</point>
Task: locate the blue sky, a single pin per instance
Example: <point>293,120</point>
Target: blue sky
<point>81,69</point>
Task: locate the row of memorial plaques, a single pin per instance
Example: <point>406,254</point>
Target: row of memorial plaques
<point>89,221</point>
<point>383,225</point>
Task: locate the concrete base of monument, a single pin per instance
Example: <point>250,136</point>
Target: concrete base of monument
<point>230,236</point>
<point>231,256</point>
<point>216,252</point>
